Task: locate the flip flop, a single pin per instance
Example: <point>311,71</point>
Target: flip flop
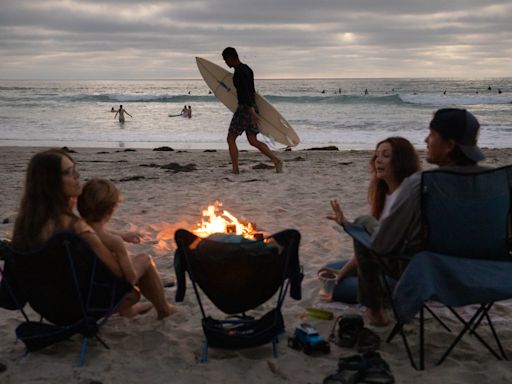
<point>375,370</point>
<point>351,363</point>
<point>343,377</point>
<point>349,369</point>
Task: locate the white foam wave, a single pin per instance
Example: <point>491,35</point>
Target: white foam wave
<point>125,97</point>
<point>441,100</point>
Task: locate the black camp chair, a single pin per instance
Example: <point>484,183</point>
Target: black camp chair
<point>67,285</point>
<point>238,277</point>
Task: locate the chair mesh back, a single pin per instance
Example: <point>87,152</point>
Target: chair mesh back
<point>235,277</point>
<point>64,279</point>
<point>467,215</point>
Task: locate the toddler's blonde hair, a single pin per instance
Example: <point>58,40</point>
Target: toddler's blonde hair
<point>98,199</point>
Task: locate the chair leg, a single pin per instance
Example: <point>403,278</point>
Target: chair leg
<point>422,338</point>
<point>101,341</point>
<point>437,318</point>
<point>485,313</point>
<point>274,346</point>
<point>486,308</point>
<point>83,351</point>
<point>468,326</point>
<point>398,326</point>
<point>473,324</point>
<point>407,347</point>
<point>204,355</point>
<point>495,334</point>
<point>394,332</point>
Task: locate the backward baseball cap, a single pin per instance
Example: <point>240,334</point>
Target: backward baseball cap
<point>460,126</point>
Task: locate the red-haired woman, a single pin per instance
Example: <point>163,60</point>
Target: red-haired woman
<point>394,159</point>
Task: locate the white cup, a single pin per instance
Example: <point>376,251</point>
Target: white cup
<point>328,279</point>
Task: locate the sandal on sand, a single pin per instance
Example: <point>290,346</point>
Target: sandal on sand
<point>351,363</point>
<point>375,370</point>
<point>368,368</point>
<point>349,371</point>
<point>367,341</point>
<point>343,377</point>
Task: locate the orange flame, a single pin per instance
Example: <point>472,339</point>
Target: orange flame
<point>215,221</point>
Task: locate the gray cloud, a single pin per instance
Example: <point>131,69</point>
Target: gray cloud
<point>286,38</point>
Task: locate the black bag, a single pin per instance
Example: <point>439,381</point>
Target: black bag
<point>346,329</point>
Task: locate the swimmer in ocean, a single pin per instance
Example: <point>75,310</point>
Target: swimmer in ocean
<point>121,111</point>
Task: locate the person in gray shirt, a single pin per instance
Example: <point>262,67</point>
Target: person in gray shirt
<point>451,144</point>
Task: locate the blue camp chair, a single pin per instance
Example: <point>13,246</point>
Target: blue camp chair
<point>239,275</point>
<point>67,285</point>
<point>467,259</point>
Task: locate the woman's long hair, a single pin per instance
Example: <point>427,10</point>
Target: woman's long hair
<point>43,202</point>
<point>404,161</point>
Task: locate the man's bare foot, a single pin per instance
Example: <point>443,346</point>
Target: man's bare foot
<point>170,310</point>
<point>136,309</point>
<point>377,317</point>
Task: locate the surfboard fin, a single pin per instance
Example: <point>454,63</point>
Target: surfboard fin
<point>221,83</point>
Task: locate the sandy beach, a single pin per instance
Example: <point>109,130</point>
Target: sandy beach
<point>159,198</point>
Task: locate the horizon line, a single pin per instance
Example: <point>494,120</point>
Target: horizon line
<point>257,78</point>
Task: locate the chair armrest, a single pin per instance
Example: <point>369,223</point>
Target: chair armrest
<point>359,233</point>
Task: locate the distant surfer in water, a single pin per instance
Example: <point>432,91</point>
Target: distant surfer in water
<point>121,111</point>
<point>245,117</point>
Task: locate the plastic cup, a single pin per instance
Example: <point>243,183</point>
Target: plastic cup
<point>329,281</point>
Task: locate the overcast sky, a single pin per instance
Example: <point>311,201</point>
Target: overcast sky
<point>129,39</point>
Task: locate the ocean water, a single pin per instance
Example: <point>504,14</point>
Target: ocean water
<point>323,112</point>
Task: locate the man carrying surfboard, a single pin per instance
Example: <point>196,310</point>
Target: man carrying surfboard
<point>245,117</point>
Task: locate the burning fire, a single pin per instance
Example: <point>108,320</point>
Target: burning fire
<point>215,221</point>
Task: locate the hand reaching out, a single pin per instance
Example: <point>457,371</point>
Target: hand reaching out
<point>337,215</point>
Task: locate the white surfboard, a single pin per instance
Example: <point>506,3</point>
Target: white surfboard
<point>271,124</point>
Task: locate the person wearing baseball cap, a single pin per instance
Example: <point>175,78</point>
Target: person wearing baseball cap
<point>451,144</point>
<point>458,129</point>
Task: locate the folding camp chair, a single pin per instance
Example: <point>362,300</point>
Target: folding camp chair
<point>467,258</point>
<point>238,277</point>
<point>66,283</point>
<point>8,299</point>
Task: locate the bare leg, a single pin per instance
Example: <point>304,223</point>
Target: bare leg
<point>150,284</point>
<point>377,317</point>
<point>233,152</point>
<point>263,148</point>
